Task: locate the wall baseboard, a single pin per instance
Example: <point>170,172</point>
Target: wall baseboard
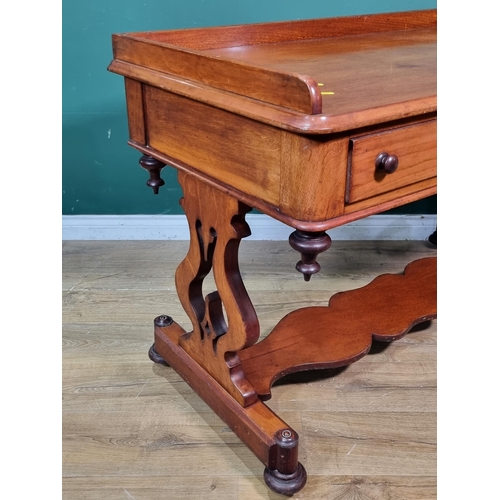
<point>174,227</point>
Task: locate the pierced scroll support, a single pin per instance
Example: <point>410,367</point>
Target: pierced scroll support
<point>224,321</point>
<point>220,357</point>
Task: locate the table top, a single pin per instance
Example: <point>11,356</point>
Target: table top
<point>242,108</point>
<point>396,66</point>
<point>318,76</point>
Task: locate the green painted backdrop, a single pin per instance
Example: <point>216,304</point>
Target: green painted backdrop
<point>101,174</point>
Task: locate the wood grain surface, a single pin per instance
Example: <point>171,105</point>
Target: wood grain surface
<point>340,334</point>
<point>414,146</point>
<point>297,70</point>
<point>135,430</point>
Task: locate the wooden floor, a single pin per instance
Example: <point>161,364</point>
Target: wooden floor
<point>135,430</point>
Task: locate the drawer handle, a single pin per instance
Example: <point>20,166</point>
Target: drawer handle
<point>386,162</point>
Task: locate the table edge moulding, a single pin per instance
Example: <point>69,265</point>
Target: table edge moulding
<point>316,123</point>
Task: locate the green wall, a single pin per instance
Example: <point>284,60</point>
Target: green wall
<point>100,172</point>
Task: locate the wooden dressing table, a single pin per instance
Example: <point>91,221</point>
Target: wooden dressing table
<point>315,123</point>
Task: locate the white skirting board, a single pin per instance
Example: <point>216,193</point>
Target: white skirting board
<point>174,227</point>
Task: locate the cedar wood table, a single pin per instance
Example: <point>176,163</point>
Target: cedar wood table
<point>315,123</point>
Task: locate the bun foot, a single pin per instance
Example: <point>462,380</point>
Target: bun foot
<point>286,484</point>
<point>155,357</point>
<point>433,238</point>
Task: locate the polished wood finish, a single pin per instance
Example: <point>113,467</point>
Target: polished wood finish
<point>256,425</point>
<point>315,127</point>
<point>132,428</point>
<point>287,31</point>
<point>231,149</point>
<point>280,117</point>
<point>341,333</point>
<point>312,194</point>
<point>388,200</point>
<point>219,358</point>
<point>224,322</point>
<point>237,152</point>
<point>351,212</point>
<point>233,101</point>
<point>399,65</point>
<point>414,148</point>
<point>178,53</point>
<point>136,124</point>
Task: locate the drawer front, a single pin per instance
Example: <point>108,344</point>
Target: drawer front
<point>411,150</point>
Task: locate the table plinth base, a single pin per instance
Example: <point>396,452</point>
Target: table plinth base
<point>308,338</point>
<point>271,439</point>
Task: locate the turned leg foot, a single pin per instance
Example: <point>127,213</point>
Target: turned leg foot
<point>288,475</point>
<point>286,484</point>
<point>155,357</point>
<point>433,238</point>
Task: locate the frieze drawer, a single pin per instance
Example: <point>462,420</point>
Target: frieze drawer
<point>392,159</point>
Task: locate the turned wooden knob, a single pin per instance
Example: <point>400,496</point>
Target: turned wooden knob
<point>386,162</point>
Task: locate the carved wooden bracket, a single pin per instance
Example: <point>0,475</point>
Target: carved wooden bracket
<point>224,321</point>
